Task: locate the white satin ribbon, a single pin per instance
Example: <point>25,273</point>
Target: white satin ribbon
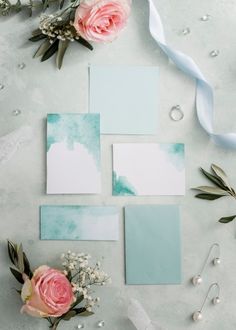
<point>11,142</point>
<point>140,318</point>
<point>204,92</point>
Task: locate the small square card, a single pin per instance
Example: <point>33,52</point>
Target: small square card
<point>79,223</point>
<point>147,169</point>
<point>152,244</point>
<point>126,98</point>
<point>73,154</point>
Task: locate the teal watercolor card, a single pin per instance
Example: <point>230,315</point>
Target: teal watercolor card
<point>148,169</point>
<point>126,98</point>
<point>73,154</point>
<point>152,244</point>
<point>79,223</point>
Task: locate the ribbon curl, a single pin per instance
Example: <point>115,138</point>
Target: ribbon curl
<point>204,92</point>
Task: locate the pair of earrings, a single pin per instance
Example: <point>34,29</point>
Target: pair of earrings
<point>197,280</point>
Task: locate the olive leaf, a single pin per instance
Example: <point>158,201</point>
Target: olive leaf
<point>227,219</point>
<point>69,275</point>
<point>84,43</point>
<point>45,4</point>
<point>223,188</point>
<point>221,174</point>
<point>30,8</point>
<point>36,32</point>
<point>37,37</point>
<point>20,254</point>
<point>19,258</point>
<point>85,313</point>
<point>12,252</point>
<point>78,300</point>
<point>63,44</point>
<point>69,315</point>
<point>212,190</point>
<point>42,48</point>
<point>17,275</point>
<point>27,269</point>
<point>213,179</point>
<point>209,197</point>
<point>61,4</point>
<point>50,51</point>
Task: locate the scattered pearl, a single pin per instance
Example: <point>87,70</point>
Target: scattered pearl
<point>186,31</point>
<point>214,53</point>
<point>21,66</point>
<point>205,18</point>
<point>16,112</point>
<point>101,324</point>
<point>80,326</point>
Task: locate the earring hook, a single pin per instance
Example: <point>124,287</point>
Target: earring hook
<point>216,261</point>
<point>197,316</point>
<point>215,245</point>
<point>208,292</point>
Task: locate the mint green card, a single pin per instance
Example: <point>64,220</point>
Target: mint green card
<point>152,244</point>
<point>126,97</point>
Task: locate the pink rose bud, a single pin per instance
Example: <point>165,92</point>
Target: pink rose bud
<point>101,20</point>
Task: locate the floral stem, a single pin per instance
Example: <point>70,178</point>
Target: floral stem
<point>55,323</point>
<point>49,320</point>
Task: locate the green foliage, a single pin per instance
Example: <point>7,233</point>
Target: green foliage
<point>220,189</point>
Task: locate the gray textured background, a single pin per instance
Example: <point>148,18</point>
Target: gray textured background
<point>40,88</point>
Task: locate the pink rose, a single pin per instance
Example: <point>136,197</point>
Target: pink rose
<point>101,20</point>
<point>48,293</point>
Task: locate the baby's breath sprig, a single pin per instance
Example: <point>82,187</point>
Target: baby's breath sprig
<point>83,277</point>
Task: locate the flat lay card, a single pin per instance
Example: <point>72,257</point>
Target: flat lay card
<point>146,169</point>
<point>126,98</point>
<point>73,154</point>
<point>79,223</point>
<point>152,244</point>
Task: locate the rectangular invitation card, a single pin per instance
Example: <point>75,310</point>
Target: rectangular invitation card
<point>73,154</point>
<point>79,223</point>
<point>126,97</point>
<point>152,244</point>
<point>147,169</point>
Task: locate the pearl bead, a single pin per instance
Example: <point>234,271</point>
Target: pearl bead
<point>80,326</point>
<point>214,53</point>
<point>196,280</point>
<point>216,300</point>
<point>205,18</point>
<point>186,31</point>
<point>21,66</point>
<point>216,261</point>
<point>197,316</point>
<point>16,112</point>
<point>101,324</point>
